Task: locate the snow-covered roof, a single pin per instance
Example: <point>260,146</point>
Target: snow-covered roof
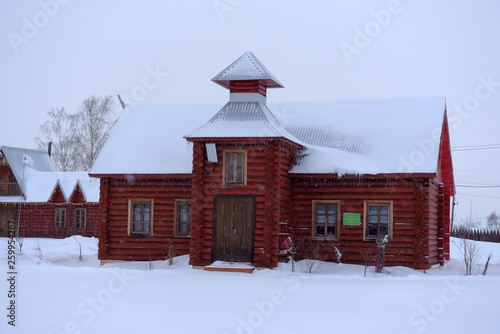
<point>148,139</point>
<point>15,156</point>
<point>365,136</point>
<point>242,117</point>
<point>38,181</point>
<point>247,67</point>
<point>361,137</point>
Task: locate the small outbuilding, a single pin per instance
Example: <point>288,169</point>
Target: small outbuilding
<point>38,201</point>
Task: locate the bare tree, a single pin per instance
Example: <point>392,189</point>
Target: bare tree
<point>60,129</point>
<point>80,245</point>
<point>470,253</point>
<point>469,222</point>
<point>368,256</point>
<point>493,221</point>
<point>77,139</point>
<point>312,263</point>
<point>171,253</point>
<point>381,244</point>
<point>487,263</point>
<point>95,120</point>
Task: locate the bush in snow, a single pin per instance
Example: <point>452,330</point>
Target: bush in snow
<point>470,254</point>
<point>38,251</point>
<point>171,253</point>
<point>381,244</point>
<point>368,256</point>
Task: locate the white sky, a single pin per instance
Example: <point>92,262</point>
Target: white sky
<point>425,48</point>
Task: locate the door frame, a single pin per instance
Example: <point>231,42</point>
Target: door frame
<point>252,220</point>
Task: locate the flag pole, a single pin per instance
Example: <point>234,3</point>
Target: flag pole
<point>22,193</point>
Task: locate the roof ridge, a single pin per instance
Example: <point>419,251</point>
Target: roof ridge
<point>246,67</point>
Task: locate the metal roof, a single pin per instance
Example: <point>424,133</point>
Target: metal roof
<point>37,182</point>
<point>15,157</point>
<point>247,67</point>
<point>241,120</point>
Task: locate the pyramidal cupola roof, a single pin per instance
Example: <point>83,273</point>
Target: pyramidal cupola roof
<point>247,67</point>
<point>246,115</point>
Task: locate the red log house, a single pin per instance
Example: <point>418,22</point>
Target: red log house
<point>45,203</point>
<point>326,174</point>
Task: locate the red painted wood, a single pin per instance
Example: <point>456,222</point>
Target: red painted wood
<point>248,86</point>
<point>38,220</point>
<point>415,218</point>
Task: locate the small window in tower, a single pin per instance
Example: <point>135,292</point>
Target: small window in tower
<point>235,167</point>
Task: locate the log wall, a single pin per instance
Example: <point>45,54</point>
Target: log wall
<point>38,220</point>
<point>268,162</point>
<point>415,219</point>
<point>114,241</point>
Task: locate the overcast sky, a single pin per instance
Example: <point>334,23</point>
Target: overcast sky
<point>56,53</point>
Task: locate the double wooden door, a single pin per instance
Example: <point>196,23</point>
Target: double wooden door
<point>233,228</point>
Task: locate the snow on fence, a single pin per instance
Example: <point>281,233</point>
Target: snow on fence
<point>478,235</point>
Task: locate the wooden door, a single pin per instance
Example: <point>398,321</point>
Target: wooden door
<point>234,227</point>
<point>7,213</point>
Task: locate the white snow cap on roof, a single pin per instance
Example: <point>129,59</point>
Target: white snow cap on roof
<point>366,136</point>
<point>148,139</point>
<point>247,67</point>
<point>37,182</point>
<point>240,120</point>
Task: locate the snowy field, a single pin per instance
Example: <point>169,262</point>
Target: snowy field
<point>56,292</point>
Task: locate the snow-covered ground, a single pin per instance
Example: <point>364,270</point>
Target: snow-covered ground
<point>58,293</point>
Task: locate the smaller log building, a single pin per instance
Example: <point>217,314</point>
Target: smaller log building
<point>43,202</point>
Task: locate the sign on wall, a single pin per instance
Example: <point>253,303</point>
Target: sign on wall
<point>353,219</point>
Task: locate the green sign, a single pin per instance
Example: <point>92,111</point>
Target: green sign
<point>353,219</point>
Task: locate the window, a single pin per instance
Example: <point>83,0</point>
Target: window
<point>60,217</point>
<point>140,217</point>
<point>15,190</point>
<point>80,214</point>
<point>235,167</point>
<point>182,218</point>
<point>377,219</point>
<point>326,216</point>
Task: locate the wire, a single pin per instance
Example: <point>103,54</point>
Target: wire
<point>477,195</point>
<point>476,147</point>
<point>476,171</point>
<point>478,186</point>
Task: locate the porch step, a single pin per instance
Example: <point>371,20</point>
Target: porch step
<point>234,267</point>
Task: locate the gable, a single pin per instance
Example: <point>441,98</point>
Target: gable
<point>57,195</point>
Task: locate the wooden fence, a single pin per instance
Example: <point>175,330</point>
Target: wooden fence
<point>478,235</point>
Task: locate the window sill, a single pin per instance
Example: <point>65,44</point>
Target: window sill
<point>234,184</point>
<point>325,238</point>
<point>375,239</point>
<point>140,235</point>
